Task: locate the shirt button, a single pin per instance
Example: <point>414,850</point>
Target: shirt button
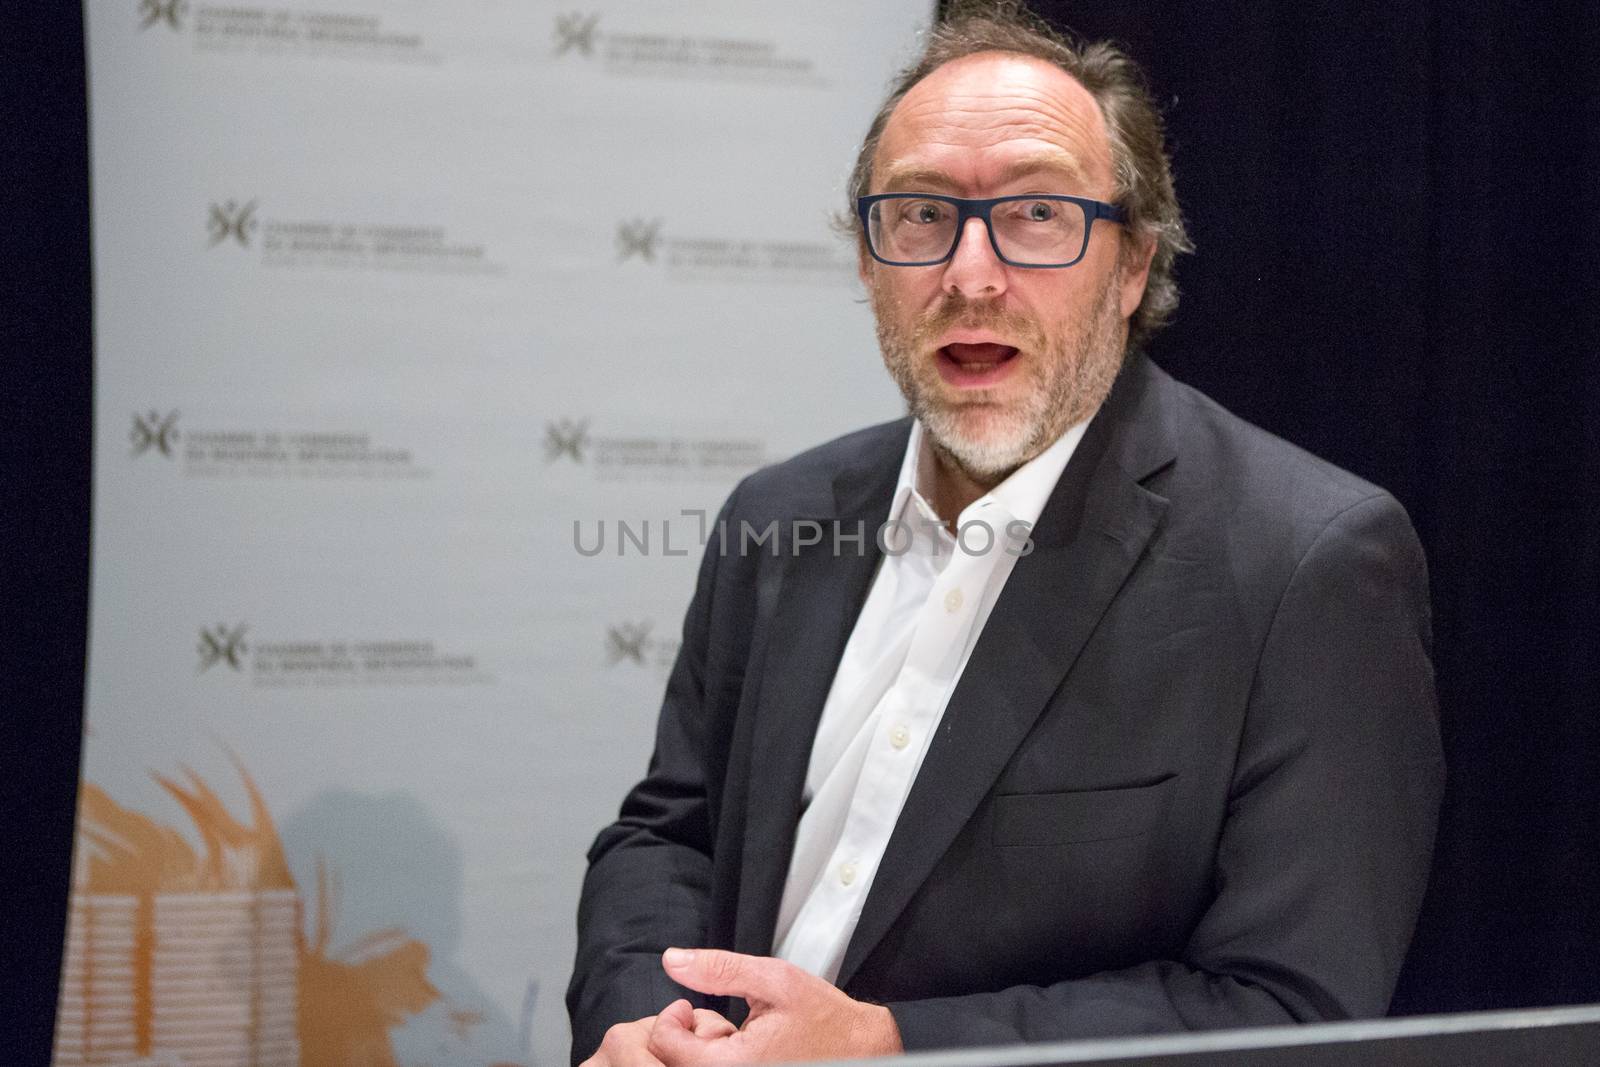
<point>847,872</point>
<point>900,737</point>
<point>952,601</point>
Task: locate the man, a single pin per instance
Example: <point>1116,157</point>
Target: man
<point>1155,748</point>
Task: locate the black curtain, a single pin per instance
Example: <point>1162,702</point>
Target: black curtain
<point>1397,214</point>
<point>44,498</point>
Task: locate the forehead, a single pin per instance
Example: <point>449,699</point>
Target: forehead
<point>975,117</point>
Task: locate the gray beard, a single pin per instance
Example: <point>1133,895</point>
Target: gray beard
<point>1073,374</point>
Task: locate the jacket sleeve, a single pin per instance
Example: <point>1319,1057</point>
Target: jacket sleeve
<point>648,883</point>
<point>1326,846</point>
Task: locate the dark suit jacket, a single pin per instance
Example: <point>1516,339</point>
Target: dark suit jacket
<point>1189,778</point>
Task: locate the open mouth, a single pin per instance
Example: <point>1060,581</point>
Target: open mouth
<point>975,364</point>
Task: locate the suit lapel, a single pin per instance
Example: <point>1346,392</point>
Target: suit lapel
<point>1086,542</point>
<point>820,595</point>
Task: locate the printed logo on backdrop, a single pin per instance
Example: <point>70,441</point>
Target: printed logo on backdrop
<point>154,432</point>
<point>566,439</point>
<point>633,644</point>
<point>417,246</point>
<point>288,32</point>
<point>229,220</point>
<point>236,450</point>
<point>689,257</point>
<point>639,52</point>
<point>576,31</point>
<point>643,456</point>
<point>168,13</point>
<point>222,645</point>
<point>283,661</point>
<point>638,237</point>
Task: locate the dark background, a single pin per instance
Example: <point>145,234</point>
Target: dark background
<point>44,500</point>
<point>1397,211</point>
<point>1397,214</point>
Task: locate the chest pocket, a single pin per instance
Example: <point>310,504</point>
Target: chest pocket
<point>1023,819</point>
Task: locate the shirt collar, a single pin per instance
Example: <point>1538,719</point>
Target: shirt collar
<point>1020,498</point>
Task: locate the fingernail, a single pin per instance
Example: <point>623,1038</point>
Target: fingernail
<point>678,957</point>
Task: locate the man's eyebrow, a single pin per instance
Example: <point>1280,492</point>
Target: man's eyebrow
<point>899,177</point>
<point>903,176</point>
<point>1043,163</point>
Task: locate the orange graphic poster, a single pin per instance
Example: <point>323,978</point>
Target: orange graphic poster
<point>201,957</point>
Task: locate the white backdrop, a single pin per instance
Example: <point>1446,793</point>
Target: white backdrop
<point>392,299</point>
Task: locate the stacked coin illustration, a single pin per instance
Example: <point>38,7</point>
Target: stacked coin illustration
<point>223,978</point>
<point>95,1022</point>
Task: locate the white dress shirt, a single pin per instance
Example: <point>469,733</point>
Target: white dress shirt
<point>921,619</point>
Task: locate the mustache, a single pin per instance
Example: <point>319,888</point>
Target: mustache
<point>956,310</point>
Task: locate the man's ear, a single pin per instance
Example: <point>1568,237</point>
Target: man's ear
<point>1133,271</point>
<point>863,265</point>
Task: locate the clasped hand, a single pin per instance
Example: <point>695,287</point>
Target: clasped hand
<point>793,1016</point>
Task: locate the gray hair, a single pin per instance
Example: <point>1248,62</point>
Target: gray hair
<point>1133,126</point>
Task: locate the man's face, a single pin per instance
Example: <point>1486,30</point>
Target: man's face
<point>997,361</point>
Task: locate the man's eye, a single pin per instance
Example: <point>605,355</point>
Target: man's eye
<point>923,212</point>
<point>1038,211</point>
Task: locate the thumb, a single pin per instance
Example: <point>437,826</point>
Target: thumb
<point>729,974</point>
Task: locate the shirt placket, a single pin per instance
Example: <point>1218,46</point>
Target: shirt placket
<point>902,724</point>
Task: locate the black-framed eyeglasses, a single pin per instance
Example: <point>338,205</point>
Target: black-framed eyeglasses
<point>922,229</point>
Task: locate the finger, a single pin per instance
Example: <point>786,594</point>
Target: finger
<point>679,1013</point>
<point>676,1047</point>
<point>708,1023</point>
<point>731,974</point>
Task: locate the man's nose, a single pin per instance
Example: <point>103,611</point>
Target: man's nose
<point>974,270</point>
